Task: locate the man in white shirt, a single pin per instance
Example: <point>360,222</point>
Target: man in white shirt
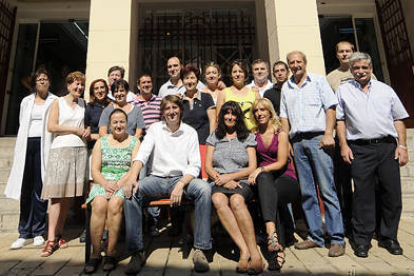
<point>117,73</point>
<point>176,164</point>
<point>174,86</point>
<point>261,82</point>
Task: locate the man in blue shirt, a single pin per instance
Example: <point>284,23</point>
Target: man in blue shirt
<point>307,112</point>
<point>370,124</point>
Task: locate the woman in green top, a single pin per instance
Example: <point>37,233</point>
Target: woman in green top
<point>111,160</point>
<point>238,92</point>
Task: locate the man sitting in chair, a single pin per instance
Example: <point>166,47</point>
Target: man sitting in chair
<point>175,166</point>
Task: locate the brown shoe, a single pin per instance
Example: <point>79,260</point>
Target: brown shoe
<point>306,244</point>
<point>336,250</point>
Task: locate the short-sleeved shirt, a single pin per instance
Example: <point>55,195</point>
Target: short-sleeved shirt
<point>93,114</point>
<point>195,114</point>
<point>305,107</point>
<point>369,115</point>
<point>230,156</point>
<point>150,110</point>
<point>273,95</point>
<point>262,90</point>
<point>135,119</point>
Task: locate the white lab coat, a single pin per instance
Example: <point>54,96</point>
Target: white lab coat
<point>14,183</point>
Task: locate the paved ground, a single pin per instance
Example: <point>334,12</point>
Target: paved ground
<point>165,257</point>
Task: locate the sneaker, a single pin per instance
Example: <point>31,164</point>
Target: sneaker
<point>19,243</point>
<point>135,264</point>
<point>38,241</point>
<point>200,261</point>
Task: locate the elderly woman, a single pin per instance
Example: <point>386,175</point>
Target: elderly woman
<point>25,180</point>
<point>275,178</point>
<point>111,161</point>
<point>231,157</point>
<point>136,122</point>
<point>66,168</point>
<point>212,75</point>
<point>199,109</point>
<point>238,92</point>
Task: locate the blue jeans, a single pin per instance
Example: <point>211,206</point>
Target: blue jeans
<point>315,167</point>
<point>152,187</point>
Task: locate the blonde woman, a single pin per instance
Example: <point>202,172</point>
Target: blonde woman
<point>275,177</point>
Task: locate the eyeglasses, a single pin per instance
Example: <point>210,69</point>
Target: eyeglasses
<point>40,80</point>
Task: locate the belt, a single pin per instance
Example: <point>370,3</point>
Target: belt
<point>387,139</point>
<point>305,136</point>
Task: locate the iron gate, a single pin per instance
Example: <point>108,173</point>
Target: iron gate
<point>195,37</point>
<point>398,51</point>
<point>7,20</point>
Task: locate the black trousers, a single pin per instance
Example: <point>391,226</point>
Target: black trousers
<point>275,192</point>
<point>375,163</point>
<point>32,208</point>
<point>343,183</point>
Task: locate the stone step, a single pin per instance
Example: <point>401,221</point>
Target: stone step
<point>9,222</point>
<point>2,188</point>
<point>6,162</point>
<point>9,206</point>
<point>4,175</point>
<point>408,205</point>
<point>407,185</point>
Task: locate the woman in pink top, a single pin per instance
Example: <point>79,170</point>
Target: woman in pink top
<point>275,177</point>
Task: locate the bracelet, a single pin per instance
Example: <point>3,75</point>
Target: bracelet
<point>403,147</point>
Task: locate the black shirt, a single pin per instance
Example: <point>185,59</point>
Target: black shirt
<point>92,115</point>
<point>196,115</point>
<point>273,95</point>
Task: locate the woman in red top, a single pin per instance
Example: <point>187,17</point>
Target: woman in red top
<point>275,177</point>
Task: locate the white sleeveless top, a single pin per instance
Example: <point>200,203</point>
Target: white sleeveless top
<point>69,117</point>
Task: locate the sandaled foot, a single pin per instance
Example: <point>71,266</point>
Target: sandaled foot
<point>92,265</point>
<point>109,263</point>
<point>255,267</point>
<point>242,265</point>
<point>50,247</point>
<point>273,243</point>
<point>277,259</point>
<point>62,244</point>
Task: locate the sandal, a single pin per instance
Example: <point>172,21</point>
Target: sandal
<point>255,267</point>
<point>242,265</point>
<point>273,243</point>
<point>277,259</point>
<point>92,265</point>
<point>50,247</point>
<point>62,243</point>
<point>109,263</point>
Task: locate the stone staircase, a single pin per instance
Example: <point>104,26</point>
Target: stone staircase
<point>9,208</point>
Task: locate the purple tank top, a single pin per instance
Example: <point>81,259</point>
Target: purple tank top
<point>267,156</point>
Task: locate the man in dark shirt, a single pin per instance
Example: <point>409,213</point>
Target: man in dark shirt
<point>281,74</point>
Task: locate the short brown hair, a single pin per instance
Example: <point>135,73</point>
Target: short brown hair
<point>74,76</point>
<point>172,99</point>
<point>188,69</point>
<point>345,42</point>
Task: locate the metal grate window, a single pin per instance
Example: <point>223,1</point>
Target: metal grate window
<point>196,37</point>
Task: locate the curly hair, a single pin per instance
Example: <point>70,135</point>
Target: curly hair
<point>233,108</point>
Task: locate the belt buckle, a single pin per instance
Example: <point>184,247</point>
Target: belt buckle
<point>375,141</point>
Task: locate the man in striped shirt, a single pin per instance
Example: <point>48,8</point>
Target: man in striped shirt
<point>148,102</point>
<point>150,107</point>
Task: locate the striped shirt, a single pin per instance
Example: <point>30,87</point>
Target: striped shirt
<point>150,110</point>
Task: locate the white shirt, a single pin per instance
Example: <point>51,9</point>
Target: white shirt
<point>174,153</point>
<point>36,120</point>
<point>263,89</point>
<point>169,88</point>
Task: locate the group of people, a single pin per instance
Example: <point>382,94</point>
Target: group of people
<point>218,146</point>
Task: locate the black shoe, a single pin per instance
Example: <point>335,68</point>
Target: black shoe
<point>361,250</point>
<point>392,246</point>
<point>153,231</point>
<point>175,230</point>
<point>136,263</point>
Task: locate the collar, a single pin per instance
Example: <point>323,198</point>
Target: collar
<point>171,85</point>
<point>291,80</point>
<point>138,100</point>
<point>357,85</point>
<point>179,132</point>
<point>197,96</point>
